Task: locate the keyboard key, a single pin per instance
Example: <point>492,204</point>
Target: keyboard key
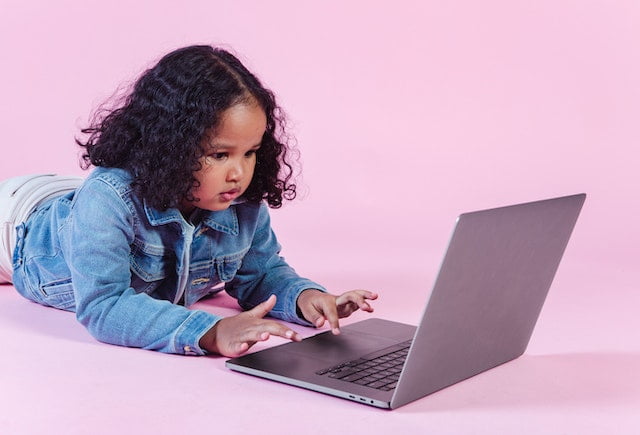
<point>353,377</point>
<point>343,372</point>
<point>378,384</point>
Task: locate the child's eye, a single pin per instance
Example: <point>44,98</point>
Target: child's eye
<point>250,153</point>
<point>218,156</point>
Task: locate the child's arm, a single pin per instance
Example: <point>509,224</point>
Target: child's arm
<point>264,272</point>
<point>98,252</point>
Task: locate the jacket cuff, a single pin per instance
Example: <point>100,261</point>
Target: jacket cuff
<point>191,331</point>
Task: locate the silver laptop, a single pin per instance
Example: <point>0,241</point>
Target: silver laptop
<point>481,313</point>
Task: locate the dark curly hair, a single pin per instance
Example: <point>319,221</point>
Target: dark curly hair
<point>157,130</point>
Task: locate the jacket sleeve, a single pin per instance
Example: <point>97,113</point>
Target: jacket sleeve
<point>98,254</point>
<point>264,272</point>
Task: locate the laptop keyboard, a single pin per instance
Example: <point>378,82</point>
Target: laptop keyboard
<point>380,370</point>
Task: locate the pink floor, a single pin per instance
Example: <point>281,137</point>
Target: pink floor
<point>580,374</point>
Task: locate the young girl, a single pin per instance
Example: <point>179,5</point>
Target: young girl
<point>175,210</point>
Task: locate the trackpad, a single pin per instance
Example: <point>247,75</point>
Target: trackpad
<point>347,345</point>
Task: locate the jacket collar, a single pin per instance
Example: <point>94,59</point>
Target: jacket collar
<point>225,221</point>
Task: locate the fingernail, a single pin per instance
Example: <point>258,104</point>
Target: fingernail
<point>335,331</point>
<point>289,334</point>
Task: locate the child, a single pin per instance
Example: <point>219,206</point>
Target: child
<point>175,210</point>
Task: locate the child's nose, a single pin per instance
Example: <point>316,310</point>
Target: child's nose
<point>235,172</point>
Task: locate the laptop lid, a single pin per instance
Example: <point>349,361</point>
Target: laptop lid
<point>489,292</point>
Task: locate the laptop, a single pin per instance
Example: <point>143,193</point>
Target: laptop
<point>481,312</point>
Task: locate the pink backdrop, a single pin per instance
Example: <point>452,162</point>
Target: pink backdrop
<point>406,114</point>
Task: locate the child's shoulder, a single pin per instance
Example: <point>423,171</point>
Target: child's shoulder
<point>112,184</point>
<point>117,178</point>
<point>114,175</point>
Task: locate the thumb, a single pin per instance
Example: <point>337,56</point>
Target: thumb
<point>263,308</point>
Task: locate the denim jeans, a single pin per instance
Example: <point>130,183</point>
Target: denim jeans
<point>19,197</point>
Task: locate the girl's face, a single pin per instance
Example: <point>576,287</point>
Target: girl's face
<point>230,158</point>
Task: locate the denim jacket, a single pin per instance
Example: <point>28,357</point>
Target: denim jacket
<point>130,271</point>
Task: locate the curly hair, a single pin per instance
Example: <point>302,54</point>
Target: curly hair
<point>157,130</point>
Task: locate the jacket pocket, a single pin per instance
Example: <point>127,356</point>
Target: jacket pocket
<point>45,279</point>
<point>151,263</point>
<point>58,294</point>
<point>227,266</point>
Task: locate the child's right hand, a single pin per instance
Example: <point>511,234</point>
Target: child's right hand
<point>233,336</point>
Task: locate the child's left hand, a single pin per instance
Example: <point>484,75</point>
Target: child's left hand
<point>318,307</point>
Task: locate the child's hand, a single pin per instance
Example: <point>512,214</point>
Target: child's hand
<point>318,307</point>
<point>233,336</point>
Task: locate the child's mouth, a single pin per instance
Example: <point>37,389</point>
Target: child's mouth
<point>230,195</point>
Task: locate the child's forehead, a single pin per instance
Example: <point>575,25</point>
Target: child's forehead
<point>211,141</point>
<point>240,125</point>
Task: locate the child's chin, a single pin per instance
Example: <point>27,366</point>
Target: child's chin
<point>217,207</point>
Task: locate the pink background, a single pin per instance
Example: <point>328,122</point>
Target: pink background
<point>406,114</point>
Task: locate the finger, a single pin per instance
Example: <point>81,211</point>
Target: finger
<point>316,318</point>
<point>269,328</point>
<point>330,311</point>
<point>349,302</point>
<point>370,295</point>
<point>351,307</point>
<point>364,293</point>
<point>365,306</point>
<point>293,335</point>
<point>263,309</point>
<point>360,294</point>
<point>359,297</point>
<point>243,347</point>
<point>313,314</point>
